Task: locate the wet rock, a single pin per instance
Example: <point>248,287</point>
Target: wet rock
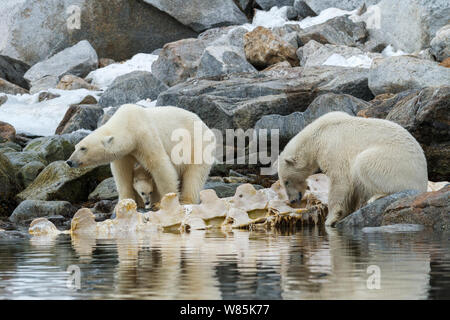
<point>293,123</point>
<point>430,209</point>
<point>106,190</point>
<point>12,70</point>
<point>395,74</point>
<point>263,48</point>
<point>77,60</point>
<point>239,100</point>
<point>60,182</point>
<point>371,214</point>
<point>8,186</point>
<point>31,209</point>
<point>303,10</point>
<point>440,44</point>
<point>132,87</point>
<point>135,25</point>
<point>47,96</point>
<point>13,235</point>
<point>203,14</point>
<point>425,116</point>
<point>339,31</point>
<point>178,61</point>
<point>222,60</point>
<point>80,117</point>
<point>71,82</point>
<point>7,132</point>
<point>10,88</point>
<point>394,228</point>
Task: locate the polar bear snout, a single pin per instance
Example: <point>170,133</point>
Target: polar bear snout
<point>72,164</point>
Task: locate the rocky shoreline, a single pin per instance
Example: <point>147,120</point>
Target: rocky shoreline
<point>237,64</point>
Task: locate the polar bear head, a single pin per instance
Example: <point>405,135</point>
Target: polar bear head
<point>293,173</point>
<point>144,187</point>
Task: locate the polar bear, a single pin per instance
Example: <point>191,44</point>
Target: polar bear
<point>364,159</point>
<point>144,186</point>
<point>172,144</point>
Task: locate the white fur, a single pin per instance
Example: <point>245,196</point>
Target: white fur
<point>363,158</point>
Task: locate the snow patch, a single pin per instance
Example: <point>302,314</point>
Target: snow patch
<point>358,61</point>
<point>389,51</point>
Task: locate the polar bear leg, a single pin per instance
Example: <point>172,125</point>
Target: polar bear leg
<point>122,171</point>
<point>193,180</point>
<point>339,200</point>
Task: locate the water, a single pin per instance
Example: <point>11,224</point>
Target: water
<point>309,264</point>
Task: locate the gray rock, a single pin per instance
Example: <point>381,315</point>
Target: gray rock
<point>395,74</point>
<point>232,36</point>
<point>303,9</point>
<point>371,215</point>
<point>223,189</point>
<point>202,14</point>
<point>178,61</point>
<point>3,99</point>
<point>106,190</point>
<point>29,172</point>
<point>394,228</point>
<point>267,4</point>
<point>222,60</point>
<point>295,122</point>
<point>135,25</point>
<point>107,114</point>
<point>80,117</point>
<point>32,209</point>
<point>13,70</point>
<point>77,60</point>
<point>20,159</point>
<point>440,45</point>
<point>60,182</point>
<point>410,25</point>
<point>44,84</point>
<point>132,87</point>
<point>289,33</point>
<point>10,88</point>
<point>319,5</point>
<point>45,95</point>
<point>12,145</point>
<point>340,31</point>
<point>8,186</point>
<point>13,235</point>
<point>239,100</point>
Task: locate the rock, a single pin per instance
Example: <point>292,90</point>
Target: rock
<point>107,114</point>
<point>222,60</point>
<point>44,84</point>
<point>293,123</point>
<point>88,100</point>
<point>10,88</point>
<point>104,206</point>
<point>20,161</point>
<point>289,33</point>
<point>395,74</point>
<point>409,25</point>
<point>10,145</point>
<point>60,182</point>
<point>371,214</point>
<point>8,186</point>
<point>178,61</point>
<point>71,82</point>
<point>14,235</point>
<point>382,104</point>
<point>28,172</point>
<point>239,100</point>
<point>445,64</point>
<point>106,190</point>
<point>263,48</point>
<point>430,209</point>
<point>3,99</point>
<point>131,88</point>
<point>267,4</point>
<point>47,96</point>
<point>31,209</point>
<point>223,189</point>
<point>316,54</point>
<point>278,66</point>
<point>303,10</point>
<point>104,62</point>
<point>12,70</point>
<point>339,31</point>
<point>395,228</point>
<point>80,117</point>
<point>319,5</point>
<point>440,44</point>
<point>7,132</point>
<point>203,14</point>
<point>135,25</point>
<point>78,60</point>
<point>229,36</point>
<point>425,116</point>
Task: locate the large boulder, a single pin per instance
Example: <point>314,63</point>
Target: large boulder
<point>263,48</point>
<point>396,74</point>
<point>132,87</point>
<point>32,209</point>
<point>60,182</point>
<point>440,45</point>
<point>7,132</point>
<point>8,186</point>
<point>135,25</point>
<point>12,70</point>
<point>26,166</point>
<point>77,60</point>
<point>106,190</point>
<point>239,100</point>
<point>11,88</point>
<point>178,61</point>
<point>84,116</point>
<point>202,14</point>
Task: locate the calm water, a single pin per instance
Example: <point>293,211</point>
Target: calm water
<point>309,264</point>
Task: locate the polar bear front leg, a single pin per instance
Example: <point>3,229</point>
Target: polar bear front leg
<point>338,202</point>
<point>122,171</point>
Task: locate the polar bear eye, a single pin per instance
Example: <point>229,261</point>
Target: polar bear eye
<point>83,148</point>
<point>286,183</point>
<point>143,193</point>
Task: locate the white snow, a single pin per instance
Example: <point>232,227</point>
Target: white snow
<point>389,51</point>
<point>28,115</point>
<point>103,77</point>
<point>324,16</point>
<point>358,61</point>
<point>147,103</point>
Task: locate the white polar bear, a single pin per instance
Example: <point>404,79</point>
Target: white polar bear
<point>364,159</point>
<point>149,136</point>
<point>144,186</point>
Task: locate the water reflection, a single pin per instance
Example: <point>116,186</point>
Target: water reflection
<point>310,264</point>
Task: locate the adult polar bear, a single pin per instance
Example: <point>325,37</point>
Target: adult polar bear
<point>364,159</point>
<point>149,136</point>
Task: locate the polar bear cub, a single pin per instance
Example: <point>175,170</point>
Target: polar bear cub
<point>364,159</point>
<point>144,186</point>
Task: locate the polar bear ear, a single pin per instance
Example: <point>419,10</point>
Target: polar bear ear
<point>290,161</point>
<point>107,141</point>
